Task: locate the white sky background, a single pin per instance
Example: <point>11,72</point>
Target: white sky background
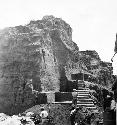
<point>94,22</point>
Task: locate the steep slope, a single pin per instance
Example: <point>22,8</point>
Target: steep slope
<point>37,51</point>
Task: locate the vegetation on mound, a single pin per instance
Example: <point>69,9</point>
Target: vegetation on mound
<point>59,112</point>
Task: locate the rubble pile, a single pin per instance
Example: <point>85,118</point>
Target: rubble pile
<point>59,112</point>
<point>101,70</point>
<point>15,120</point>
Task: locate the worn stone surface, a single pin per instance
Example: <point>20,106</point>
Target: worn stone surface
<point>100,69</point>
<point>39,51</point>
<point>43,51</point>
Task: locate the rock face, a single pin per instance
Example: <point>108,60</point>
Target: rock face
<point>37,51</point>
<point>89,63</point>
<point>43,51</point>
<point>100,69</point>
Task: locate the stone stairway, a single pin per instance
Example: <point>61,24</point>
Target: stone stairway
<point>83,97</point>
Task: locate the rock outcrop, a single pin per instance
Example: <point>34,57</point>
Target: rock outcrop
<point>101,70</point>
<point>38,51</point>
<point>43,51</point>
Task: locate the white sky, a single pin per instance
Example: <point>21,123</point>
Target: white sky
<point>94,22</point>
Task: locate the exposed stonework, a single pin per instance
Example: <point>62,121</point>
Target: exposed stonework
<point>101,70</point>
<point>90,63</point>
<point>54,39</point>
<point>42,51</point>
<point>38,51</point>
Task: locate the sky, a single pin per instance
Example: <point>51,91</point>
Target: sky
<point>94,22</point>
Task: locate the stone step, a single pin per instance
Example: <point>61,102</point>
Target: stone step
<point>84,102</point>
<point>86,105</point>
<point>82,97</point>
<point>91,105</point>
<point>82,90</point>
<point>83,94</point>
<point>86,93</point>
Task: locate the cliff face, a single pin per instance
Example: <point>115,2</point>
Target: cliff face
<point>37,51</point>
<point>43,51</point>
<point>100,69</point>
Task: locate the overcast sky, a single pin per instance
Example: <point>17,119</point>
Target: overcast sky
<point>94,22</point>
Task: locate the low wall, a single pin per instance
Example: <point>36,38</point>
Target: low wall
<point>41,98</point>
